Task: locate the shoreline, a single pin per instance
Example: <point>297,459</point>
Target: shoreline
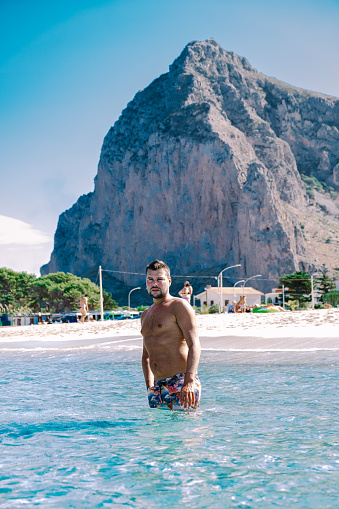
<point>294,331</point>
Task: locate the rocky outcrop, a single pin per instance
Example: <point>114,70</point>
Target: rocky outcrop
<point>202,169</point>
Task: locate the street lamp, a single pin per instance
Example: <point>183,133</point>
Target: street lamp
<point>129,297</point>
<point>252,277</point>
<point>220,282</point>
<point>235,284</point>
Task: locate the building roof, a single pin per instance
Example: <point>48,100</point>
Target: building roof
<point>230,290</point>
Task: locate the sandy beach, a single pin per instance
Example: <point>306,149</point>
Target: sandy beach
<point>294,331</point>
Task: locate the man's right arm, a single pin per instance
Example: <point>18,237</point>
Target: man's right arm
<point>146,368</point>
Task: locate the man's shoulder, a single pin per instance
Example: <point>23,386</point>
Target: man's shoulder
<point>145,312</point>
<point>180,305</point>
<point>174,301</point>
<point>175,304</point>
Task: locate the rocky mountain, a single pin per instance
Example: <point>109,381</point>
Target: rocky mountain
<point>213,164</point>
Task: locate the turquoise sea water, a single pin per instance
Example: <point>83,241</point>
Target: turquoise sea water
<point>76,431</point>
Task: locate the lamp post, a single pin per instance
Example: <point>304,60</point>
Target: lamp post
<point>252,277</point>
<point>245,281</point>
<point>235,284</point>
<point>220,282</point>
<point>129,297</point>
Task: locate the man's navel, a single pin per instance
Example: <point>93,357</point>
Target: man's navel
<point>159,325</point>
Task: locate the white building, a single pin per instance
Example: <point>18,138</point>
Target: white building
<point>275,295</point>
<point>33,319</point>
<point>210,296</point>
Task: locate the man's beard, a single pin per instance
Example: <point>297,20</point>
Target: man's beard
<point>159,295</point>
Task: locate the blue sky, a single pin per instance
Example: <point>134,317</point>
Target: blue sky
<point>68,68</point>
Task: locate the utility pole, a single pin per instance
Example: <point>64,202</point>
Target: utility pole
<point>312,287</point>
<point>283,289</point>
<point>101,297</point>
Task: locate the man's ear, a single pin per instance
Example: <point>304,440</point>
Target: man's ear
<point>170,281</point>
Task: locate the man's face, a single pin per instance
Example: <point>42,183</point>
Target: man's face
<point>157,283</point>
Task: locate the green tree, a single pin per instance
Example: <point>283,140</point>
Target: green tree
<point>60,292</point>
<point>332,298</point>
<point>324,284</point>
<point>16,290</point>
<point>213,309</point>
<point>7,303</point>
<point>109,302</point>
<point>41,289</point>
<point>25,293</point>
<point>142,308</point>
<point>298,284</point>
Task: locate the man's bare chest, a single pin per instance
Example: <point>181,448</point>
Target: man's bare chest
<point>159,323</point>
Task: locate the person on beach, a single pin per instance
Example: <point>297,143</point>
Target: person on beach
<point>171,346</point>
<point>241,305</point>
<point>232,307</point>
<point>186,292</point>
<point>83,308</point>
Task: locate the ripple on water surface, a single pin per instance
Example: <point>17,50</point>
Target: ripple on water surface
<point>76,432</point>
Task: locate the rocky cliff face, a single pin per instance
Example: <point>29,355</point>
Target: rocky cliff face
<point>203,168</point>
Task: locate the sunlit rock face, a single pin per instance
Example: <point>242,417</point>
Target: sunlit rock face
<point>203,168</point>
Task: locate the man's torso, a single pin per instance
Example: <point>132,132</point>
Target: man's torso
<point>164,340</point>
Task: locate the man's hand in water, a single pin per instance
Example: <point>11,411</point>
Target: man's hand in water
<point>187,395</point>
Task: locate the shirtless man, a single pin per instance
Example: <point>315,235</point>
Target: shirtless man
<point>83,308</point>
<point>171,346</point>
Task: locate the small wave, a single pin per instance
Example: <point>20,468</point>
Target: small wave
<point>105,345</point>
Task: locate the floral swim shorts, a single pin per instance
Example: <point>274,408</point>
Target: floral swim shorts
<point>166,393</point>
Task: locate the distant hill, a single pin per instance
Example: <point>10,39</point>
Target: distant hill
<point>213,164</point>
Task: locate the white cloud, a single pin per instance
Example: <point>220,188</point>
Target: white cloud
<point>14,231</point>
<point>22,248</point>
<point>25,258</point>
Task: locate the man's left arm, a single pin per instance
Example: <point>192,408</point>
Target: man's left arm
<point>186,320</point>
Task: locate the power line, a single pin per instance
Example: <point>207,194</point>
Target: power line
<point>197,277</point>
<point>124,272</point>
<point>144,274</point>
<point>194,276</point>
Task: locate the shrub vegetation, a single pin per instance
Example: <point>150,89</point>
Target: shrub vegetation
<point>54,293</point>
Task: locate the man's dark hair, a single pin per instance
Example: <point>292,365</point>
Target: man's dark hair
<point>157,265</point>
